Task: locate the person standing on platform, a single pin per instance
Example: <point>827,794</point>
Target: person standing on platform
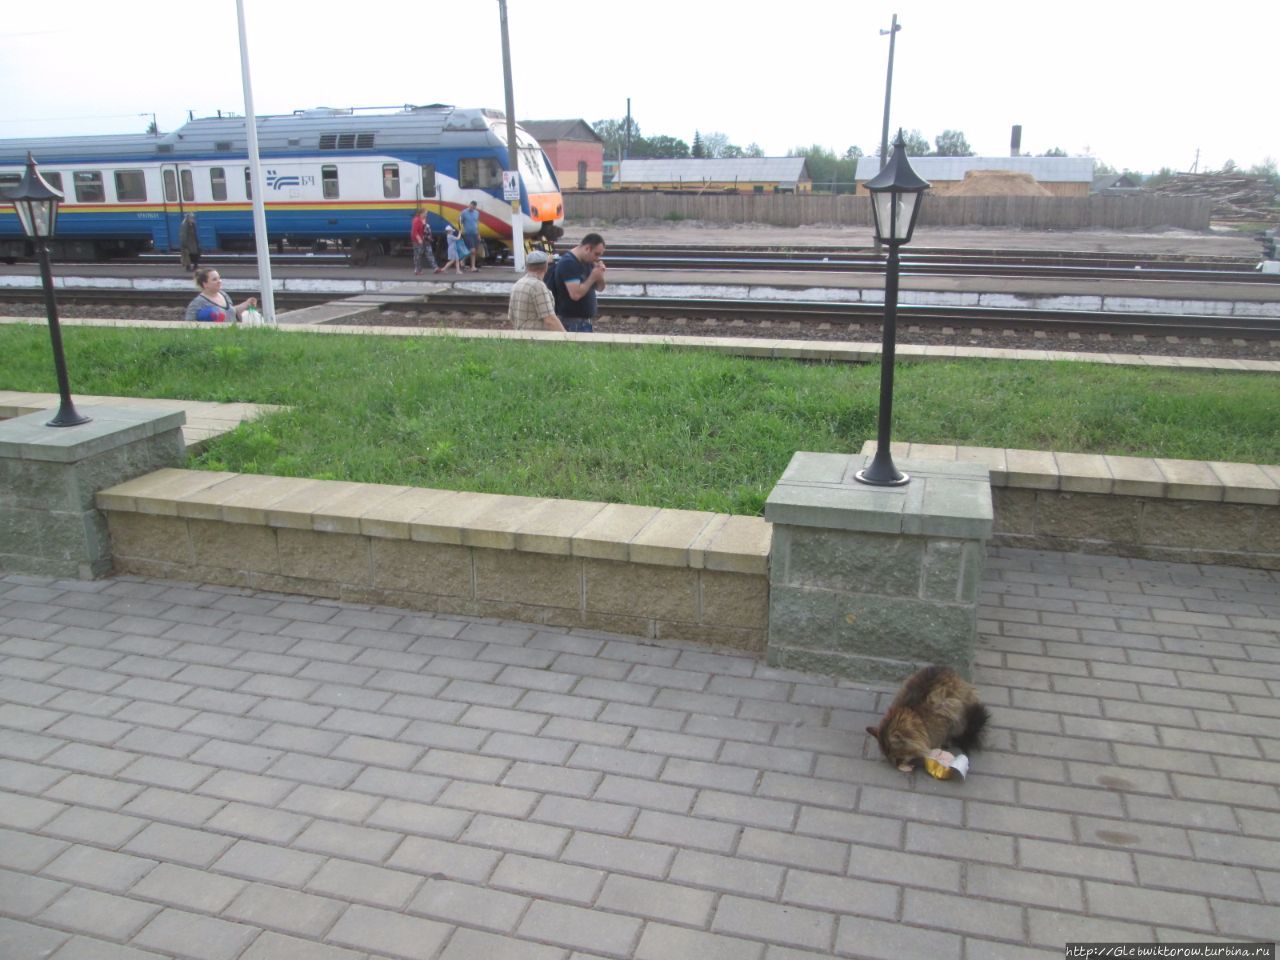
<point>469,220</point>
<point>532,306</point>
<point>457,247</point>
<point>189,243</point>
<point>420,237</point>
<point>579,276</point>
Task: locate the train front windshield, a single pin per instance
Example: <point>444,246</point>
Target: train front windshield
<point>534,172</point>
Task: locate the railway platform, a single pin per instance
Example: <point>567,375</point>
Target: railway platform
<point>211,773</point>
<point>338,278</point>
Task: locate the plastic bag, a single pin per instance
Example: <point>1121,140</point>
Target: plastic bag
<point>252,318</point>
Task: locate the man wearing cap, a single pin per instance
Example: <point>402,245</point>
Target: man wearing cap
<point>532,306</point>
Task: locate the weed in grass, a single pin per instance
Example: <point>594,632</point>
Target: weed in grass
<point>663,426</point>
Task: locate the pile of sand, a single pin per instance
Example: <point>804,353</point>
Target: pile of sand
<point>998,183</point>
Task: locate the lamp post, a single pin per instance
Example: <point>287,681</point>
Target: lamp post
<point>895,203</point>
<point>37,205</point>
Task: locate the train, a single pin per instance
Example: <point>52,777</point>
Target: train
<point>348,179</point>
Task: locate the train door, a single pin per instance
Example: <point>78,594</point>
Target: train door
<point>179,195</point>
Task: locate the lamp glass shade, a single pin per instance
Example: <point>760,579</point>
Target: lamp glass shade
<point>36,203</point>
<point>895,214</point>
<point>38,217</point>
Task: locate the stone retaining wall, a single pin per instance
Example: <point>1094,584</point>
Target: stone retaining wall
<point>1185,511</point>
<point>656,574</point>
<point>660,574</point>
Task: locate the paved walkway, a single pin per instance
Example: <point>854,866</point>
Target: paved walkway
<point>211,773</point>
<point>205,419</point>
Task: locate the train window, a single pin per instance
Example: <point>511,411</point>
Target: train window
<point>482,172</point>
<point>391,180</point>
<point>131,186</point>
<point>329,180</point>
<point>89,186</point>
<point>218,182</point>
<point>170,186</point>
<point>428,179</point>
<point>13,179</point>
<point>188,185</point>
<point>248,183</point>
<point>53,179</point>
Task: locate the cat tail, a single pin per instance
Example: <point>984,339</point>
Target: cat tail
<point>976,717</point>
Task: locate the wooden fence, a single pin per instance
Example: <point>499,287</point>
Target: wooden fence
<point>794,210</point>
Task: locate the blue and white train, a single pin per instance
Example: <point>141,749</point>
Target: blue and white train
<point>353,177</point>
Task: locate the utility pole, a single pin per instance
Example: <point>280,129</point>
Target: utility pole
<point>255,173</point>
<point>888,88</point>
<point>513,156</point>
<point>626,149</point>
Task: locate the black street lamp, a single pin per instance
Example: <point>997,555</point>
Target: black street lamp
<point>37,205</point>
<point>895,203</point>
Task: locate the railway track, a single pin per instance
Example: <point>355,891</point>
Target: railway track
<point>753,312</point>
<point>941,262</point>
<point>123,299</point>
<point>920,261</point>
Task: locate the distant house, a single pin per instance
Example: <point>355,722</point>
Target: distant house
<point>741,174</point>
<point>1061,176</point>
<point>575,150</point>
<point>1114,184</point>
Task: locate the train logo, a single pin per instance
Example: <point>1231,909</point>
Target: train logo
<point>279,181</point>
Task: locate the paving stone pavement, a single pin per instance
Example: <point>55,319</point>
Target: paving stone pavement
<point>209,773</point>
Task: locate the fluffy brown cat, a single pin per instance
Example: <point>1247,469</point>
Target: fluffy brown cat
<point>935,708</point>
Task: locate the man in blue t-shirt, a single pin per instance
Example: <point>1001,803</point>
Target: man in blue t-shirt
<point>469,219</point>
<point>579,276</point>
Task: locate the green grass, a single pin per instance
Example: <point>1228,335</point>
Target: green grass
<point>661,426</point>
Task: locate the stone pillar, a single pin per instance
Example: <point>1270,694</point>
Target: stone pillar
<point>872,582</point>
<point>49,475</point>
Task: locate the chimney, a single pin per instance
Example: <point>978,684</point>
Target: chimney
<point>1015,142</point>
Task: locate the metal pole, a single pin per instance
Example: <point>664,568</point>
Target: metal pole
<point>67,416</point>
<point>882,472</point>
<point>626,150</point>
<point>513,155</point>
<point>888,91</point>
<point>255,173</point>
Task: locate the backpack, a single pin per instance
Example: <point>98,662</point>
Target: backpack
<point>557,289</point>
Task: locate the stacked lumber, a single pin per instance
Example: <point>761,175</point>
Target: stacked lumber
<point>1235,196</point>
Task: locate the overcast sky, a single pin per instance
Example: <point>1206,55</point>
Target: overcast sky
<point>1137,85</point>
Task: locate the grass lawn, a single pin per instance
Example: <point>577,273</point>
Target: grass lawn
<point>661,426</point>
